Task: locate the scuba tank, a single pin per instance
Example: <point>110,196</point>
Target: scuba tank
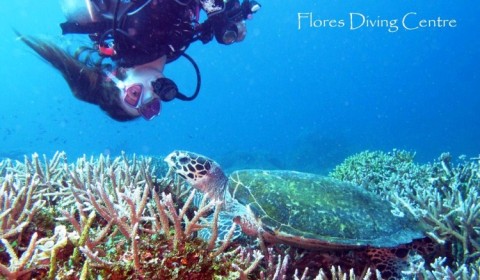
<point>79,11</point>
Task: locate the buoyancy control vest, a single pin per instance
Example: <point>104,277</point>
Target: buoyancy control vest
<point>135,32</point>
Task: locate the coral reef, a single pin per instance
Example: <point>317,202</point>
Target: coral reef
<point>442,195</point>
<point>125,218</point>
<point>112,219</point>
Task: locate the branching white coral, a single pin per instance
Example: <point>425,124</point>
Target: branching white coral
<point>19,266</point>
<point>17,204</point>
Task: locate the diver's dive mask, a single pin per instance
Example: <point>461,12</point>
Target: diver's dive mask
<point>134,98</point>
<point>144,96</point>
<point>148,106</point>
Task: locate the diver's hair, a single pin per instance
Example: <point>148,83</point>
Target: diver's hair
<point>86,81</point>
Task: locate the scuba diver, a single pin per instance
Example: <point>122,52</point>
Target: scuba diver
<point>132,40</point>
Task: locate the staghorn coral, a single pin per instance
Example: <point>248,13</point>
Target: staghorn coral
<point>443,196</point>
<point>438,270</point>
<point>119,222</point>
<point>22,192</point>
<point>18,267</point>
<point>22,203</point>
<point>277,270</point>
<point>18,204</point>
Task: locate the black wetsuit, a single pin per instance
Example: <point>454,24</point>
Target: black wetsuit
<point>144,30</point>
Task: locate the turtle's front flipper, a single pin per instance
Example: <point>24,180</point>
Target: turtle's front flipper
<point>225,223</point>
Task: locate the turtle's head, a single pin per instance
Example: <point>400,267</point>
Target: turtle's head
<point>200,172</point>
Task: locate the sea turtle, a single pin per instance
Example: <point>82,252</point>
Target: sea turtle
<point>299,209</point>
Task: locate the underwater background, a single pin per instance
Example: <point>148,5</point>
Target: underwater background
<point>284,98</point>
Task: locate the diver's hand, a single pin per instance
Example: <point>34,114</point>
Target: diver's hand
<point>249,8</point>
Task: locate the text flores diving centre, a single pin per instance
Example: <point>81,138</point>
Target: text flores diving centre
<point>409,21</point>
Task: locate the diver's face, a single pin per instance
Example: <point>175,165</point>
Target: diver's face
<point>137,95</point>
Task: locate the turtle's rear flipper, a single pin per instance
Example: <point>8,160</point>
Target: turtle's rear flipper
<point>404,260</point>
<point>391,261</point>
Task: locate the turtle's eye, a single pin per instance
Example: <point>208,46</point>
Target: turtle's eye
<point>184,160</point>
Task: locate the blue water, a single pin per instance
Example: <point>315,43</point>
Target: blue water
<point>284,98</point>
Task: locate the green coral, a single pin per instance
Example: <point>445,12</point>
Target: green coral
<point>382,172</point>
<point>443,195</point>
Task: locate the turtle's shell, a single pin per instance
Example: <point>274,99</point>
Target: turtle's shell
<point>301,208</point>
